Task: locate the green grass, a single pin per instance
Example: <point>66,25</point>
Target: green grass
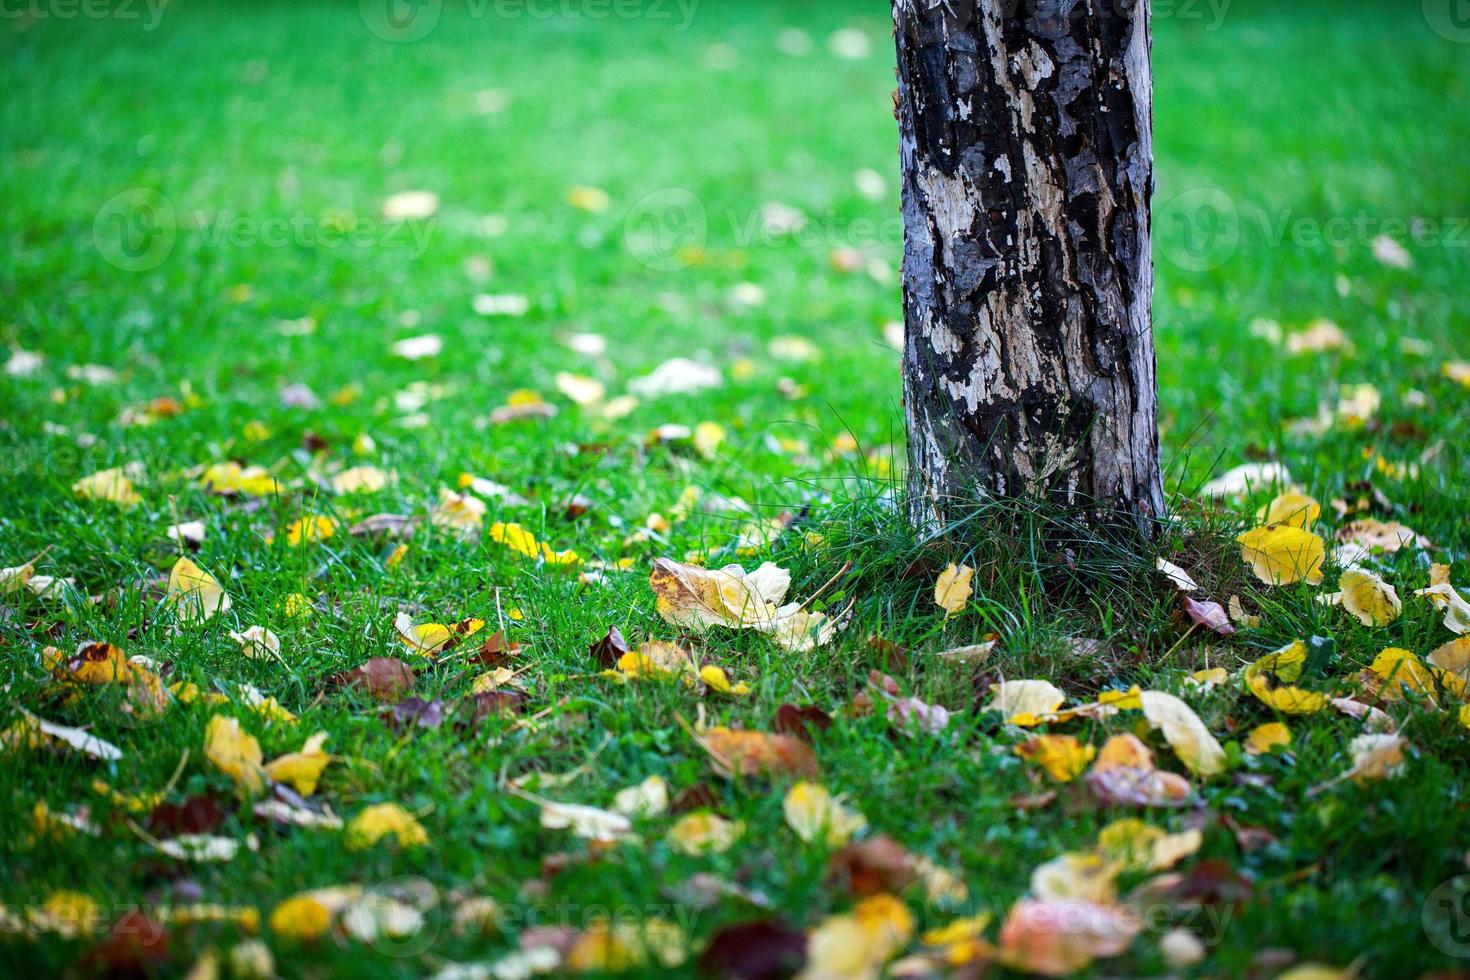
<point>1288,116</point>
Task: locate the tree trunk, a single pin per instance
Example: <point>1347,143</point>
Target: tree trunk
<point>1026,138</point>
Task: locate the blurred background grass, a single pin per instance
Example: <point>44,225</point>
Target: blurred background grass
<point>1271,121</point>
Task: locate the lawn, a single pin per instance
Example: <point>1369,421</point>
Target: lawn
<point>213,202</point>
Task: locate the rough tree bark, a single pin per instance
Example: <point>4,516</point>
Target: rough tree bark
<point>1025,131</point>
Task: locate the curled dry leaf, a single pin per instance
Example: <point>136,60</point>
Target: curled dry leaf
<point>585,821</point>
<point>1176,575</point>
<point>31,732</point>
<point>912,714</point>
<point>1208,614</point>
<point>1371,600</point>
<point>257,641</point>
<point>610,649</point>
<point>1448,599</point>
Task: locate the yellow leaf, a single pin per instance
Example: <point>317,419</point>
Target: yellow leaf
<point>309,530</point>
<point>384,820</point>
<point>257,641</point>
<point>1062,756</point>
<point>300,917</point>
<point>1087,877</point>
<point>593,199</point>
<point>301,769</point>
<point>516,538</point>
<point>1376,756</point>
<point>1446,597</point>
<point>428,639</point>
<point>111,486</point>
<point>704,833</point>
<point>649,798</point>
<point>232,478</point>
<point>1264,738</point>
<point>1025,699</point>
<point>580,388</point>
<point>234,753</point>
<point>953,589</point>
<point>698,598</point>
<point>1281,554</point>
<point>1284,664</point>
<point>1291,508</point>
<point>813,812</point>
<point>360,479</point>
<point>1184,732</point>
<point>1401,672</point>
<point>717,680</point>
<point>1139,846</point>
<point>707,438</point>
<point>1369,598</point>
<point>195,594</point>
<point>461,513</point>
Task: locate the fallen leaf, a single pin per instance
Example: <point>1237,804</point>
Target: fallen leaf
<point>1371,600</point>
<point>428,639</point>
<point>751,753</point>
<point>1176,575</point>
<point>385,678</point>
<point>257,641</point>
<point>1063,757</point>
<point>702,833</point>
<point>1025,699</point>
<point>301,769</point>
<point>1291,508</point>
<point>235,753</point>
<point>1281,554</point>
<point>381,820</point>
<point>194,594</point>
<point>1208,614</point>
<point>1184,732</point>
<point>952,590</point>
<point>111,486</point>
<point>1263,738</point>
<point>644,801</point>
<point>814,813</point>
